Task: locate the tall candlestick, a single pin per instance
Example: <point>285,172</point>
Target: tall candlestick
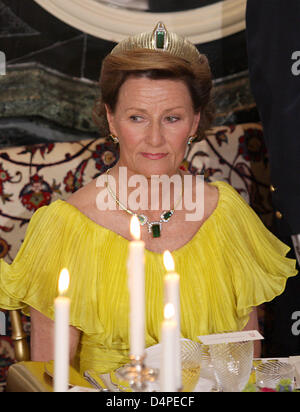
<point>136,283</point>
<point>168,353</point>
<point>61,344</point>
<point>172,295</point>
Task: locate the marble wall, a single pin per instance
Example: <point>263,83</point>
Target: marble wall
<point>50,84</point>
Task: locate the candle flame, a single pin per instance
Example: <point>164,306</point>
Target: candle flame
<point>135,228</point>
<point>64,280</point>
<point>169,311</point>
<point>168,261</point>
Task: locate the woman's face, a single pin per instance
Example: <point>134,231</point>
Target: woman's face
<point>153,120</point>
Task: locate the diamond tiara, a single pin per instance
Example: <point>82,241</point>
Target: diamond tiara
<point>160,40</point>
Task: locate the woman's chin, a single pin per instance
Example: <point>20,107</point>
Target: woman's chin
<point>148,167</point>
<point>157,170</point>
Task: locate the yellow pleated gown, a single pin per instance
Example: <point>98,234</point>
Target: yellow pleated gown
<point>231,264</point>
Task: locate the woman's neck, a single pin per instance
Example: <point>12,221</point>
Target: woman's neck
<point>149,195</point>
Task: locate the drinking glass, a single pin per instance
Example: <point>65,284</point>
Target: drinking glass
<point>207,368</point>
<point>232,364</point>
<point>190,364</point>
<point>271,372</point>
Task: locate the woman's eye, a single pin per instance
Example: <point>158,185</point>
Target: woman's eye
<point>173,119</point>
<point>136,118</point>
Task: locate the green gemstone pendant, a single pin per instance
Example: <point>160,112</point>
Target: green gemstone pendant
<point>154,228</point>
<point>166,216</point>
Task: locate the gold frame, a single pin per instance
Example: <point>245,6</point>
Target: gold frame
<point>201,25</point>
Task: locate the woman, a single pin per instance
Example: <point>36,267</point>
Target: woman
<point>156,93</point>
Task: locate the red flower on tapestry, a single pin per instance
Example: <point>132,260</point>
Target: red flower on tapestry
<point>221,137</point>
<point>4,177</point>
<point>69,182</point>
<point>4,248</point>
<point>36,194</point>
<point>252,146</point>
<point>105,155</point>
<point>74,181</point>
<point>186,166</point>
<point>43,148</point>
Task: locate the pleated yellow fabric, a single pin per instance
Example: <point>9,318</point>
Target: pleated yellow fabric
<point>232,264</point>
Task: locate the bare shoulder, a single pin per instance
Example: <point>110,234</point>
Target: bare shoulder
<point>83,198</point>
<point>211,194</point>
<point>211,197</point>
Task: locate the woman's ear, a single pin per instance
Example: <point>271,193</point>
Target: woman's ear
<point>110,119</point>
<point>196,122</point>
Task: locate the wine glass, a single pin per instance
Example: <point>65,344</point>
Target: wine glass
<point>232,363</point>
<point>269,373</point>
<point>191,364</point>
<point>207,369</point>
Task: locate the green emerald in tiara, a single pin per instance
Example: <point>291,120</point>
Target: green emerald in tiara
<point>160,40</point>
<point>160,36</point>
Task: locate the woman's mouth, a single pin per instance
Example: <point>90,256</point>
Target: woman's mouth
<point>154,156</point>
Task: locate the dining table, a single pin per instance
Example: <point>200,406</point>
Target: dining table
<point>38,377</point>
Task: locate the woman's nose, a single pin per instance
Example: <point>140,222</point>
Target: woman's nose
<point>155,136</point>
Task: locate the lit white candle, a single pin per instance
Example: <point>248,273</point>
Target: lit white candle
<point>136,283</point>
<point>168,353</point>
<point>172,295</point>
<point>61,344</point>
